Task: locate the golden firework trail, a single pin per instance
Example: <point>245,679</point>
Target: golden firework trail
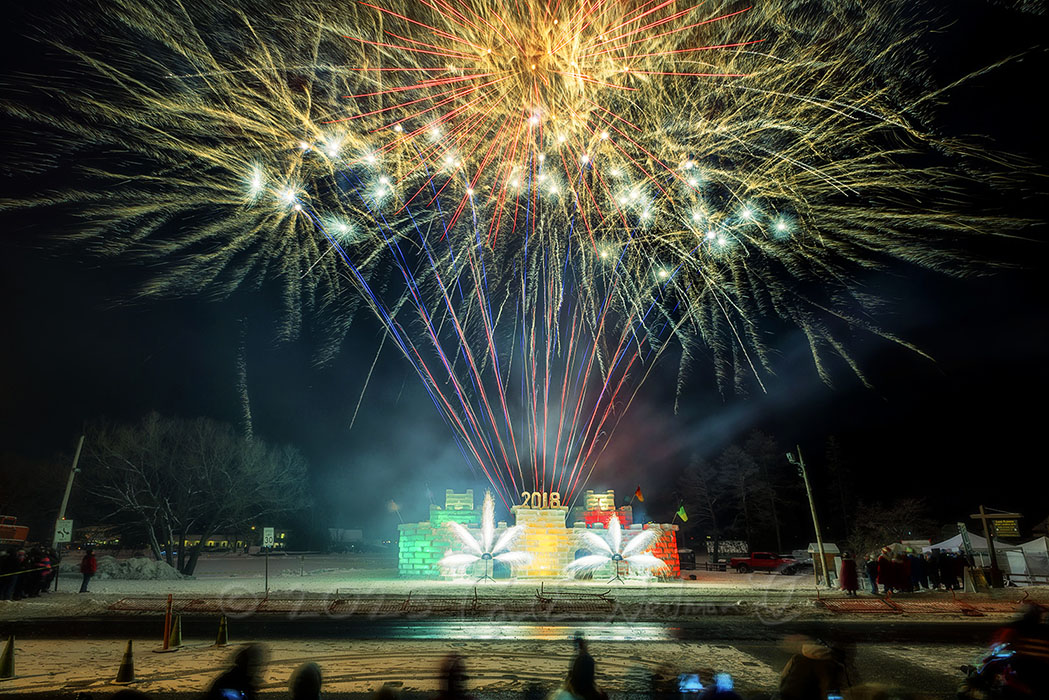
<point>535,198</point>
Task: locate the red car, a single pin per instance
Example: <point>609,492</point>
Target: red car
<point>760,561</point>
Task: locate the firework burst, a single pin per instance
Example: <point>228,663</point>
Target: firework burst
<point>534,198</point>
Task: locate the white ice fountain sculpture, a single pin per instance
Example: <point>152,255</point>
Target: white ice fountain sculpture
<point>613,550</point>
<point>484,550</point>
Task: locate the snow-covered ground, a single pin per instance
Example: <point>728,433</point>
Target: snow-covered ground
<point>497,667</point>
<point>240,577</point>
<point>351,576</point>
<point>363,666</point>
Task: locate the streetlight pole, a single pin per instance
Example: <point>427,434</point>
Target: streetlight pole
<point>800,464</point>
<point>69,489</point>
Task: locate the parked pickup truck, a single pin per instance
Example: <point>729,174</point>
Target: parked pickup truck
<point>760,561</point>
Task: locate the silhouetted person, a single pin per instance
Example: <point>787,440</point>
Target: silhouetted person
<point>242,681</point>
<point>453,679</point>
<point>932,567</point>
<point>919,578</point>
<point>947,571</point>
<point>306,682</point>
<point>885,573</point>
<point>811,674</point>
<point>38,569</point>
<point>10,566</point>
<point>902,573</point>
<point>871,567</point>
<point>88,567</point>
<point>849,577</point>
<point>1028,639</point>
<point>581,676</point>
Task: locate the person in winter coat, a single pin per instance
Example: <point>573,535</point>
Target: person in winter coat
<point>901,573</point>
<point>580,684</point>
<point>38,569</point>
<point>959,564</point>
<point>305,683</point>
<point>885,572</point>
<point>581,680</point>
<point>812,675</point>
<point>948,571</point>
<point>850,580</point>
<point>19,566</point>
<point>47,570</point>
<point>10,566</point>
<point>1028,640</point>
<point>56,560</point>
<point>453,679</point>
<point>88,567</point>
<point>932,567</point>
<point>871,567</point>
<point>242,681</point>
<point>919,579</point>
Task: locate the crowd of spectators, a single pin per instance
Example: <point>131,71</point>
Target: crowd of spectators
<point>26,574</point>
<point>908,572</point>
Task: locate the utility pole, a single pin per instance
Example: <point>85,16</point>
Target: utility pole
<point>69,488</point>
<point>800,464</point>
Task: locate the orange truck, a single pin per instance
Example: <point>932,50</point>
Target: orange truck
<point>11,533</point>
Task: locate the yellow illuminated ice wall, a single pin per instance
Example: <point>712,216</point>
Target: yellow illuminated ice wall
<point>546,535</point>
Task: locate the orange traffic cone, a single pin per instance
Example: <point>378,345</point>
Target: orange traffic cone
<point>126,672</point>
<point>223,638</point>
<point>7,661</point>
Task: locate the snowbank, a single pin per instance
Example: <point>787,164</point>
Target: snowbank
<point>135,569</point>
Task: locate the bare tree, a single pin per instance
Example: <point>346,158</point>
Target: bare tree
<point>176,476</point>
<point>768,459</point>
<point>837,469</point>
<point>736,465</point>
<point>705,492</point>
<point>877,525</point>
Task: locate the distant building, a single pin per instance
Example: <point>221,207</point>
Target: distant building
<point>96,536</point>
<point>237,542</point>
<point>338,535</point>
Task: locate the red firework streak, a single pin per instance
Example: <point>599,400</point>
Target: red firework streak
<point>490,77</point>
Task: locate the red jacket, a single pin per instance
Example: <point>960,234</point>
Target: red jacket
<point>849,579</point>
<point>89,565</point>
<point>885,577</point>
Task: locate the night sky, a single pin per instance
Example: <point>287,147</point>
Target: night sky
<point>964,429</point>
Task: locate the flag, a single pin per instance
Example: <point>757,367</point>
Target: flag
<point>682,514</point>
<point>638,495</point>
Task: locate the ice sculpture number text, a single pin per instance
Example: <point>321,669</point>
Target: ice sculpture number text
<point>535,499</point>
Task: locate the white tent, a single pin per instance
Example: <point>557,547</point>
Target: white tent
<point>1038,546</point>
<point>954,544</point>
<point>1030,563</point>
<point>979,545</point>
